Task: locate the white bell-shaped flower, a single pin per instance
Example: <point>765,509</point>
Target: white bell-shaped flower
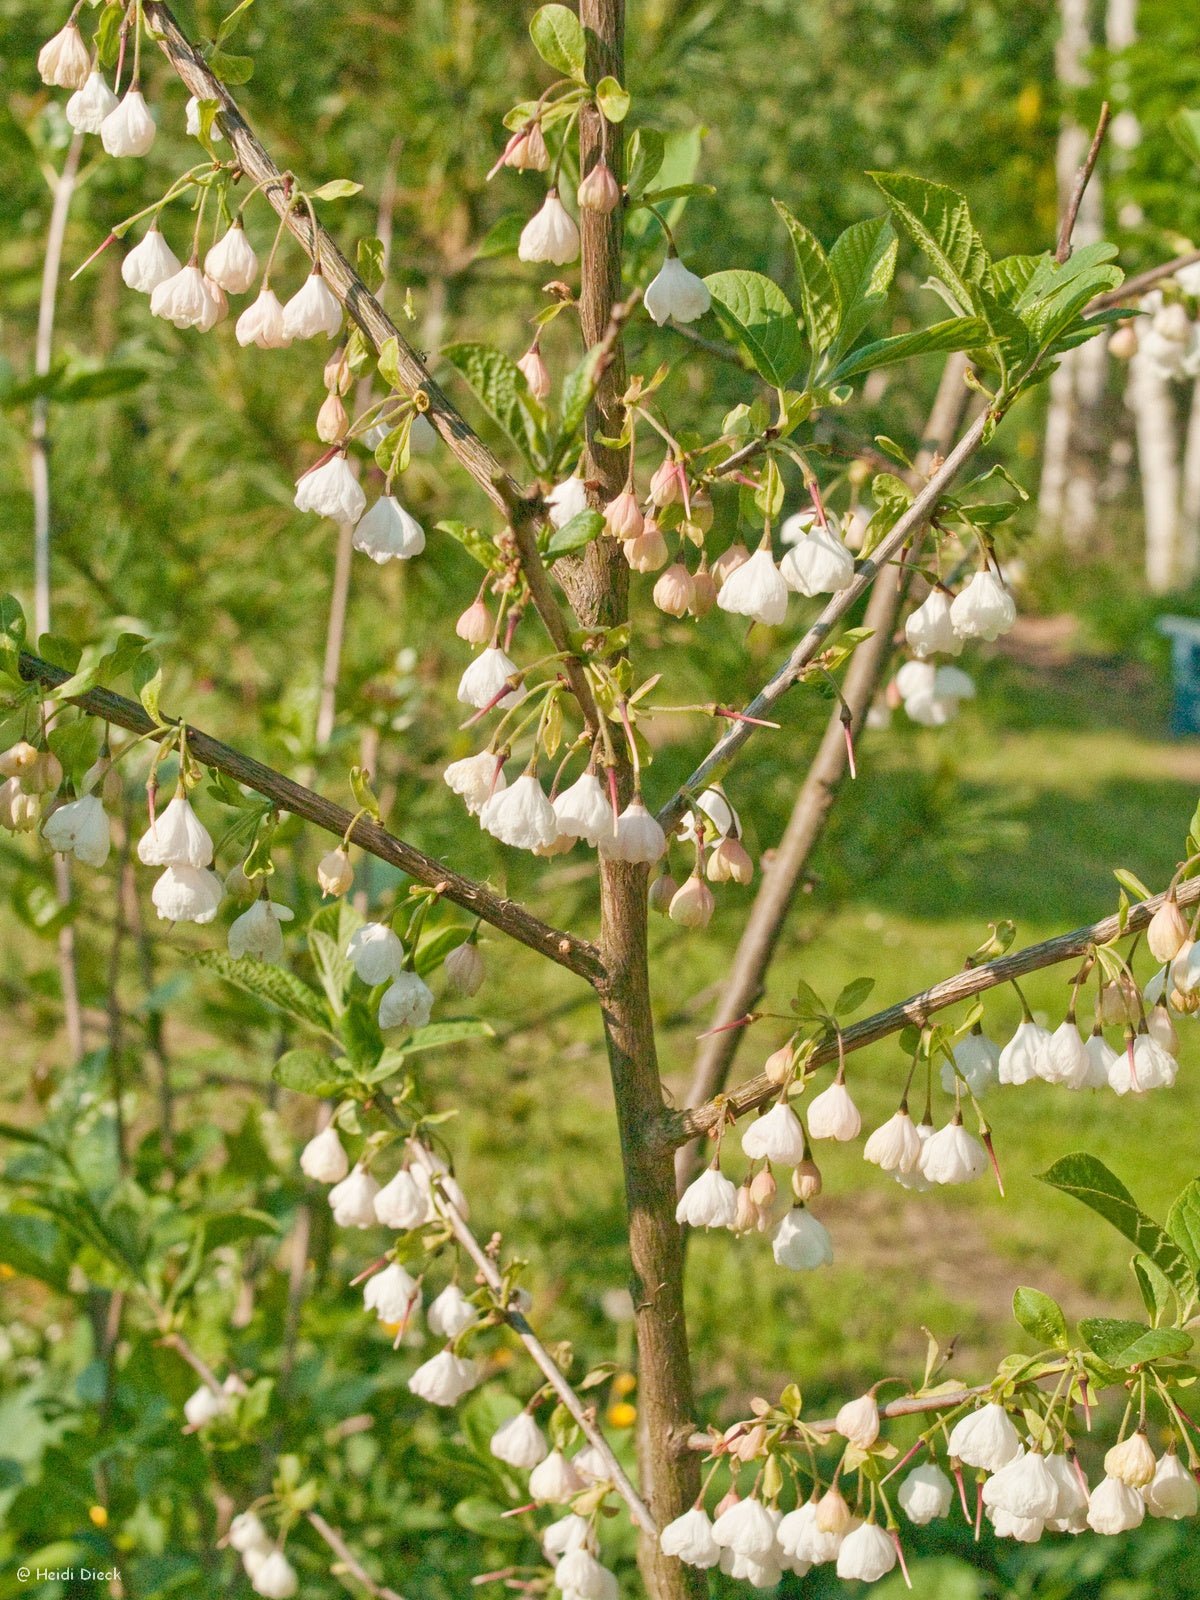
<point>1070,1509</point>
<point>818,563</point>
<point>1021,1058</point>
<point>313,309</point>
<point>925,1494</point>
<point>406,1003</point>
<point>391,1294</point>
<point>444,1379</point>
<point>747,1528</point>
<point>276,1578</point>
<point>867,1554</point>
<point>801,1243</point>
<point>1114,1507</point>
<point>584,811</point>
<point>474,778</point>
<point>88,107</point>
<point>402,1203</point>
<point>756,590</point>
<point>858,1421</point>
<point>985,1439</point>
<point>232,262</point>
<point>486,677</point>
<point>331,490</point>
<point>690,1539</point>
<point>389,533</point>
<point>246,1532</point>
<point>1153,1067</point>
<point>1065,1059</point>
<point>566,500</point>
<point>833,1115</point>
<point>375,953</point>
<point>128,130</point>
<point>915,1180</point>
<point>977,1059</point>
<point>1025,1530</point>
<point>984,609</point>
<point>639,838</point>
<point>777,1136</point>
<point>451,1313</point>
<point>261,323</point>
<point>895,1146</point>
<point>519,1443</point>
<point>1132,1461</point>
<point>550,234</point>
<point>579,1575</point>
<point>204,1406</point>
<point>520,815</point>
<point>676,294</point>
<point>257,933</point>
<point>709,1201</point>
<point>952,1155</point>
<point>1024,1487</point>
<point>1172,1492</point>
<point>323,1159</point>
<point>64,61</point>
<point>185,300</point>
<point>571,1532</point>
<point>334,872</point>
<point>930,631</point>
<point>150,263</point>
<point>80,828</point>
<point>187,894</point>
<point>1102,1058</point>
<point>717,811</point>
<point>352,1201</point>
<point>554,1480</point>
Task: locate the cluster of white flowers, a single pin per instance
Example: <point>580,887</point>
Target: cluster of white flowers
<point>983,609</point>
<point>270,1572</point>
<point>30,777</point>
<point>1167,339</point>
<point>177,841</point>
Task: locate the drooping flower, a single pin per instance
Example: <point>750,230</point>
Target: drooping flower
<point>1172,1492</point>
<point>1065,1059</point>
<point>1132,1461</point>
<point>984,609</point>
<point>80,828</point>
<point>566,500</point>
<point>231,262</point>
<point>554,1480</point>
<point>185,300</point>
<point>729,561</point>
<point>1021,1058</point>
<point>128,130</point>
<point>716,816</point>
<point>676,294</point>
<point>64,61</point>
<point>985,1439</point>
<point>391,1294</point>
<point>930,631</point>
<point>819,563</point>
<point>858,1421</point>
<point>729,862</point>
<point>257,932</point>
<point>520,815</point>
<point>465,969</point>
<point>1113,1507</point>
<point>925,1494</point>
<point>675,590</point>
<point>352,1201</point>
<point>150,262</point>
<point>331,490</point>
<point>204,1406</point>
<point>246,1532</point>
<point>833,1115</point>
<point>519,1443</point>
<point>952,1155</point>
<point>1024,1487</point>
<point>485,678</point>
<point>747,1528</point>
<point>275,1579</point>
<point>778,1136</point>
<point>451,1313</point>
<point>1167,931</point>
<point>690,1539</point>
<point>977,1059</point>
<point>571,1532</point>
<point>600,190</point>
<point>692,904</point>
<point>623,517</point>
<point>191,121</point>
<point>584,811</point>
<point>1025,1530</point>
<point>88,107</point>
<point>474,779</point>
<point>261,323</point>
<point>313,309</point>
<point>580,1576</point>
<point>896,1145</point>
<point>709,1201</point>
<point>867,1553</point>
<point>187,894</point>
<point>389,532</point>
<point>444,1379</point>
<point>402,1203</point>
<point>648,552</point>
<point>334,872</point>
<point>527,151</point>
<point>639,838</point>
<point>801,1242</point>
<point>323,1159</point>
<point>475,624</point>
<point>756,590</point>
<point>550,234</point>
<point>375,953</point>
<point>1070,1509</point>
<point>406,1003</point>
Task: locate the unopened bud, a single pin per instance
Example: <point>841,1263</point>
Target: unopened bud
<point>239,885</point>
<point>750,1444</point>
<point>537,373</point>
<point>43,774</point>
<point>833,1514</point>
<point>704,593</point>
<point>334,872</point>
<point>623,517</point>
<point>692,905</point>
<point>674,589</point>
<point>527,152</point>
<point>746,1216</point>
<point>18,759</point>
<point>648,552</point>
<point>599,191</point>
<point>475,624</point>
<point>332,420</point>
<point>763,1188</point>
<point>730,860</point>
<point>778,1065</point>
<point>1167,931</point>
<point>662,891</point>
<point>666,484</point>
<point>465,970</point>
<point>338,376</point>
<point>806,1180</point>
<point>1162,1030</point>
<point>736,556</point>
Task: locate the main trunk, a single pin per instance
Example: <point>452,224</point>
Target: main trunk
<point>598,587</point>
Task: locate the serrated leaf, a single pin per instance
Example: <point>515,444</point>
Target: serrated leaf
<point>1183,1224</point>
<point>938,221</point>
<point>820,303</point>
<point>1125,1344</point>
<point>503,391</point>
<point>583,527</point>
<point>1089,1180</point>
<point>755,313</point>
<point>956,333</point>
<point>557,36</point>
<point>862,263</point>
<point>308,1072</point>
<point>1041,1317</point>
<point>271,984</point>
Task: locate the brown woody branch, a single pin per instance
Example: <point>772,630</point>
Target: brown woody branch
<point>365,310</point>
<point>681,1126</point>
<point>914,1405</point>
<point>1082,178</point>
<point>577,955</point>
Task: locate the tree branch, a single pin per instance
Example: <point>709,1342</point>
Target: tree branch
<point>365,310</point>
<point>1082,178</point>
<point>681,1126</point>
<point>908,1406</point>
<point>577,955</point>
<point>349,1560</point>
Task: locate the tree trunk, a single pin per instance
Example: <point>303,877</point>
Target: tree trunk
<point>598,586</point>
<point>1189,500</point>
<point>1158,461</point>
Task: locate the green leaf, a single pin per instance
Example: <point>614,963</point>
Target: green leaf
<point>1183,1224</point>
<point>852,996</point>
<point>12,619</point>
<point>34,1247</point>
<point>307,1072</point>
<point>231,1227</point>
<point>1090,1181</point>
<point>231,22</point>
<point>277,988</point>
<point>100,383</point>
<point>820,303</point>
<point>369,255</point>
<point>1185,128</point>
<point>956,333</point>
<point>501,388</point>
<point>938,222</point>
<point>503,237</point>
<point>612,99</point>
<point>336,189</point>
<point>1130,1344</point>
<point>1041,1317</point>
<point>583,527</point>
<point>757,315</point>
<point>1157,1294</point>
<point>437,1035</point>
<point>557,36</point>
<point>647,148</point>
<point>233,70</point>
<point>862,263</point>
<point>1131,881</point>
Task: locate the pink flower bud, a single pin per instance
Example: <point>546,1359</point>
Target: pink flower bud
<point>778,1065</point>
<point>623,518</point>
<point>338,376</point>
<point>537,373</point>
<point>806,1181</point>
<point>475,624</point>
<point>527,151</point>
<point>648,552</point>
<point>662,891</point>
<point>673,592</point>
<point>332,420</point>
<point>725,565</point>
<point>730,860</point>
<point>666,486</point>
<point>704,593</point>
<point>600,191</point>
<point>763,1188</point>
<point>692,906</point>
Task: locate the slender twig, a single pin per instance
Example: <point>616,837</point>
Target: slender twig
<point>678,1127</point>
<point>1141,282</point>
<point>577,955</point>
<point>348,1559</point>
<point>1082,178</point>
<point>909,1406</point>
